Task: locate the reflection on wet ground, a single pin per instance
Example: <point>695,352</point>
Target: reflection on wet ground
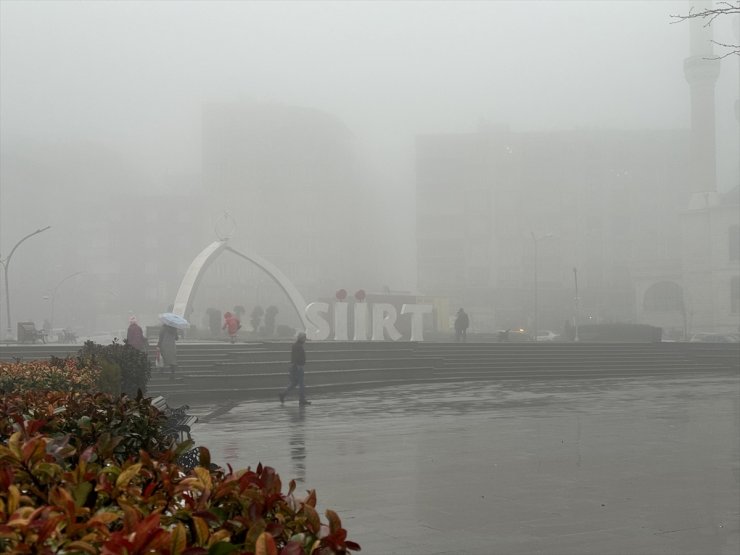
<point>599,466</point>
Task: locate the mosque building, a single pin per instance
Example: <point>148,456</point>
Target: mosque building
<point>535,229</point>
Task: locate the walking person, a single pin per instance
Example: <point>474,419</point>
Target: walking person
<point>297,362</point>
<point>135,335</point>
<point>231,325</point>
<point>461,326</point>
<point>168,347</point>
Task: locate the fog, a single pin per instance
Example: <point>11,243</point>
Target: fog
<point>131,127</point>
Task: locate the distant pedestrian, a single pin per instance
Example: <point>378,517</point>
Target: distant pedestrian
<point>231,325</point>
<point>135,335</point>
<point>462,322</point>
<point>168,347</point>
<point>297,362</point>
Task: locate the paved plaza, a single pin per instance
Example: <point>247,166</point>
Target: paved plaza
<point>597,466</point>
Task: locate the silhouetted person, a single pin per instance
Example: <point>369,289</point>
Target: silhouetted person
<point>297,362</point>
<point>168,347</point>
<point>461,326</point>
<point>135,335</point>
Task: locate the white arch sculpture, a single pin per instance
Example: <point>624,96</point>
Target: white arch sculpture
<point>200,263</point>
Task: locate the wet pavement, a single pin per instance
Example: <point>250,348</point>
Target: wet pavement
<point>600,466</point>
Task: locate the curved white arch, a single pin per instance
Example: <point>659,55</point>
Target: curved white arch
<point>200,263</point>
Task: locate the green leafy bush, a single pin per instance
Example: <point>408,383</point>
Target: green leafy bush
<point>268,330</point>
<point>135,367</point>
<point>256,317</point>
<point>110,377</point>
<point>120,426</point>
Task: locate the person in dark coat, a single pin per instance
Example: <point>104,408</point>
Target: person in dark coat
<point>168,347</point>
<point>135,335</point>
<point>461,326</point>
<point>297,362</point>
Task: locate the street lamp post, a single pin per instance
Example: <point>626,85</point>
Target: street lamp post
<point>575,279</point>
<point>54,294</point>
<point>6,265</point>
<point>536,241</point>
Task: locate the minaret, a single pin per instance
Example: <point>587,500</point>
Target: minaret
<point>737,100</point>
<point>701,69</point>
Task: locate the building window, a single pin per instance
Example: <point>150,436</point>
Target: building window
<point>735,294</point>
<point>734,242</point>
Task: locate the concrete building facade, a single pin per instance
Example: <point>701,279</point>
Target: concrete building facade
<point>597,201</point>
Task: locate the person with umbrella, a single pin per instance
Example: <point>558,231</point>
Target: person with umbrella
<point>167,338</point>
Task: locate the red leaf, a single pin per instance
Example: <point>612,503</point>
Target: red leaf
<point>334,522</point>
<point>265,545</point>
<point>145,531</point>
<point>30,447</point>
<point>149,489</point>
<point>6,477</point>
<point>33,426</point>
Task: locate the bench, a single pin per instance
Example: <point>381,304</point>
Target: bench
<point>177,427</point>
<point>178,421</point>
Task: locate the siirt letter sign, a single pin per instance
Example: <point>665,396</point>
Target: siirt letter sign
<point>382,323</point>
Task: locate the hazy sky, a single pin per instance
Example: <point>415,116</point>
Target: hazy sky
<point>133,75</point>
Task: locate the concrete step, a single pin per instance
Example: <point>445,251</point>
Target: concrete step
<point>566,363</point>
<point>200,381</point>
<point>250,386</point>
<point>358,354</point>
<point>449,364</point>
<point>217,392</point>
<point>222,370</point>
<point>325,363</point>
<point>263,392</point>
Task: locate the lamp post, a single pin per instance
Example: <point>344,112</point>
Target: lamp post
<point>54,294</point>
<point>575,279</point>
<point>536,241</point>
<point>6,265</point>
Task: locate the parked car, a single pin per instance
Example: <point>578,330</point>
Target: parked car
<point>713,338</point>
<point>547,335</point>
<point>513,335</point>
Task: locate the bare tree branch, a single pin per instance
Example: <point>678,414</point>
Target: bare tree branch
<point>728,8</point>
<point>724,8</point>
<point>735,49</point>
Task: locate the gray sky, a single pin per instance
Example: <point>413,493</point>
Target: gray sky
<point>133,75</point>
